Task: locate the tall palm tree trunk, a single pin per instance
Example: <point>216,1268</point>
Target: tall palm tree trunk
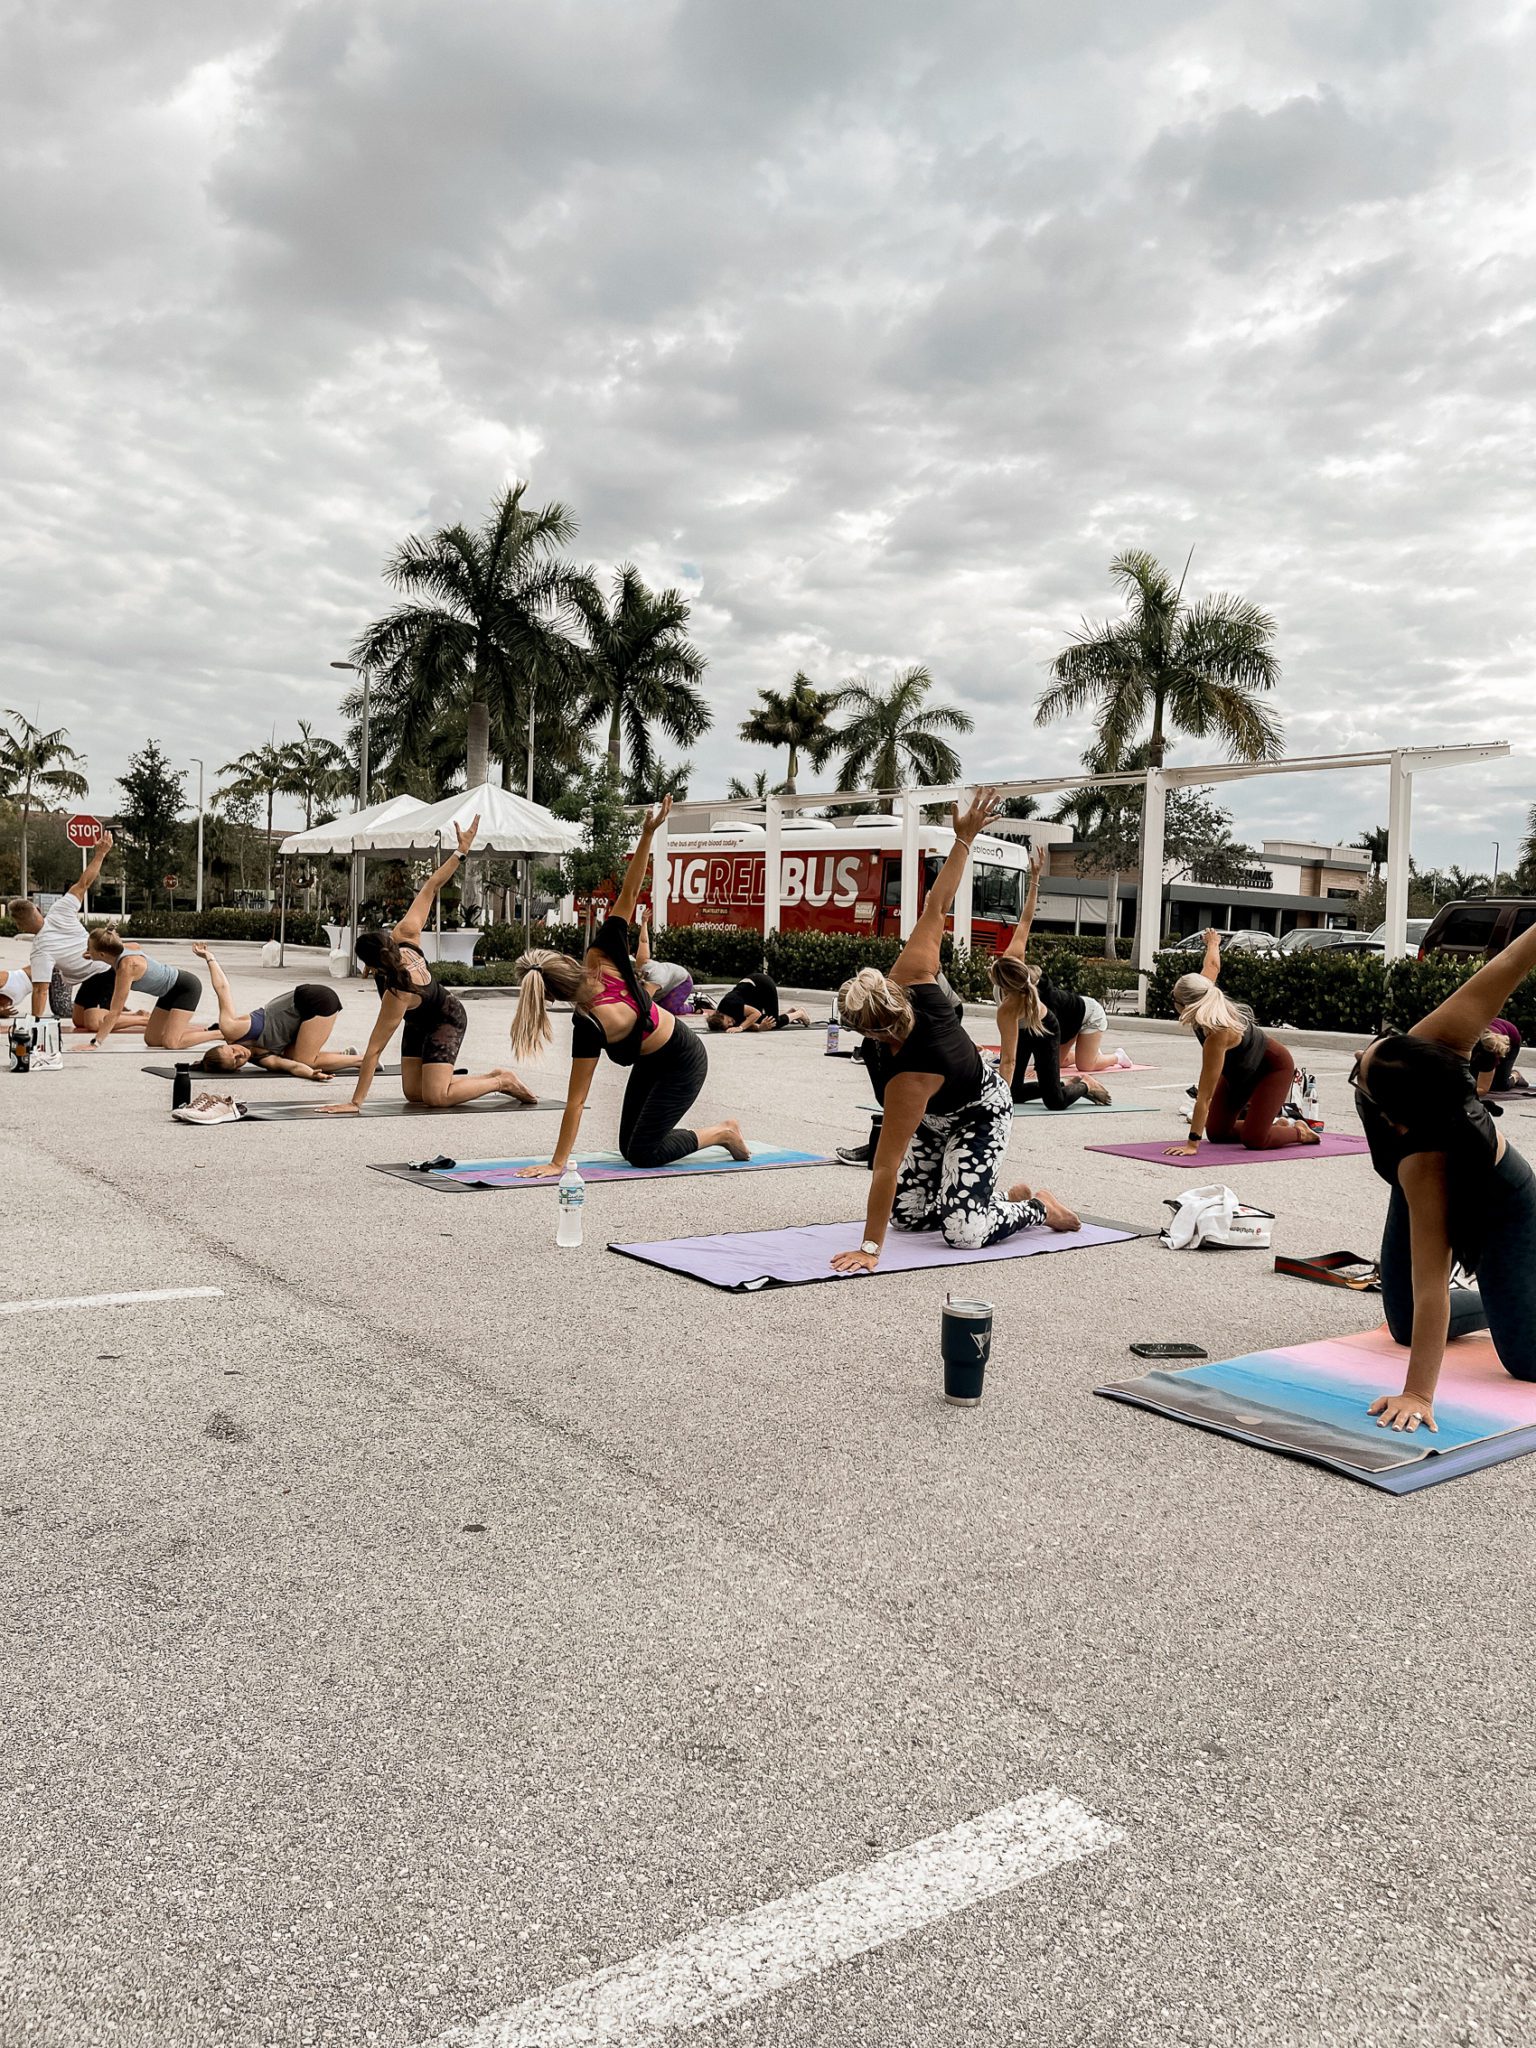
<point>271,800</point>
<point>616,739</point>
<point>477,749</point>
<point>1112,918</point>
<point>794,769</point>
<point>26,820</point>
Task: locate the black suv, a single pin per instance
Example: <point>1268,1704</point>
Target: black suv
<point>1479,928</point>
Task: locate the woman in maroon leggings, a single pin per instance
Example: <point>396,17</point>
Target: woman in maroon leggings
<point>1245,1075</point>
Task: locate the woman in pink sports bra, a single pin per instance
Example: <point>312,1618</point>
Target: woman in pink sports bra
<point>615,1015</point>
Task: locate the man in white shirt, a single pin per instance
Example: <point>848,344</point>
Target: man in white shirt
<point>58,940</point>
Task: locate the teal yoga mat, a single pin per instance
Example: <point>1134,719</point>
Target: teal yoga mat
<point>476,1176</point>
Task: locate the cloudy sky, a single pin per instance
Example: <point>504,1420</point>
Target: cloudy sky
<point>879,327</point>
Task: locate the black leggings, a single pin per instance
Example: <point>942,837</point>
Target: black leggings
<point>1504,1300</point>
<point>662,1087</point>
<point>1044,1048</point>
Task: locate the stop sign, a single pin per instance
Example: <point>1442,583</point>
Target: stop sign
<point>83,830</point>
<point>172,881</point>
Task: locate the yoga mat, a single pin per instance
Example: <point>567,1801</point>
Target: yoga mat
<point>1074,1109</point>
<point>1333,1145</point>
<point>394,1105</point>
<point>472,1176</point>
<point>744,1261</point>
<point>205,1079</point>
<point>1310,1400</point>
<point>1076,1074</point>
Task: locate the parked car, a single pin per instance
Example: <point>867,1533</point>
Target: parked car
<point>1327,940</point>
<point>1231,942</point>
<point>1478,928</point>
<point>1417,927</point>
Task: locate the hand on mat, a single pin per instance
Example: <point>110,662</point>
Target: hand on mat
<point>93,1045</point>
<point>856,1262</point>
<point>340,1109</point>
<point>466,835</point>
<point>1182,1151</point>
<point>550,1172</point>
<point>1405,1412</point>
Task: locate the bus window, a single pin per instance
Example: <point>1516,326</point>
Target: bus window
<point>890,893</point>
<point>998,893</point>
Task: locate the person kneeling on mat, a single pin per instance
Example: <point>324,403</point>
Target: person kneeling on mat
<point>285,1036</point>
<point>1245,1075</point>
<point>1493,1059</point>
<point>1034,1019</point>
<point>671,986</point>
<point>433,1017</point>
<point>176,992</point>
<point>668,1063</point>
<point>947,1116</point>
<point>1460,1191</point>
<point>869,1053</point>
<point>753,1005</point>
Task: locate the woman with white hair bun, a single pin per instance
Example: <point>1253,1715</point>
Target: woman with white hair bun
<point>1245,1075</point>
<point>947,1115</point>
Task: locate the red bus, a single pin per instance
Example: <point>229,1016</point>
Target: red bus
<point>835,878</point>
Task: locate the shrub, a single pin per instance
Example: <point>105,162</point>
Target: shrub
<point>221,924</point>
<point>711,952</point>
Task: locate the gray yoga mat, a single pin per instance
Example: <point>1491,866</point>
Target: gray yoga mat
<point>746,1261</point>
<point>395,1105</point>
<point>475,1176</point>
<point>205,1077</point>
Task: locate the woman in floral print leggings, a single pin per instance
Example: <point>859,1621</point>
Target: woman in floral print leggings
<point>947,1116</point>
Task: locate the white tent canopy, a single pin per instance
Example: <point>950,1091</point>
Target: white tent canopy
<point>341,836</point>
<point>508,824</point>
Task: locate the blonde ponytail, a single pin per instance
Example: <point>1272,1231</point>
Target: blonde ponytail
<point>871,1003</point>
<point>537,973</point>
<point>1015,982</point>
<point>1201,1006</point>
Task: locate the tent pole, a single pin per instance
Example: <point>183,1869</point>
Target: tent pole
<point>282,916</point>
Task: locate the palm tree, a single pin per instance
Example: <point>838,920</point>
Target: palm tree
<point>1525,877</point>
<point>639,670</point>
<point>889,735</point>
<point>34,764</point>
<point>760,788</point>
<point>1463,884</point>
<point>1188,668</point>
<point>1374,844</point>
<point>793,718</point>
<point>260,772</point>
<point>317,770</point>
<point>485,628</point>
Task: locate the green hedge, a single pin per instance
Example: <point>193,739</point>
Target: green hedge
<point>259,925</point>
<point>1320,991</point>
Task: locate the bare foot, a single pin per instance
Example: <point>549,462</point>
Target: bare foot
<point>1020,1192</point>
<point>511,1085</point>
<point>1057,1216</point>
<point>730,1137</point>
<point>1096,1091</point>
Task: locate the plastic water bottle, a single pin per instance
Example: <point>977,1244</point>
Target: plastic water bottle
<point>573,1193</point>
<point>832,1034</point>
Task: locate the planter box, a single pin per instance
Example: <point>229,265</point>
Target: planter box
<point>459,946</point>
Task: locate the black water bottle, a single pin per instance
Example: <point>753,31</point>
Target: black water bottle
<point>181,1085</point>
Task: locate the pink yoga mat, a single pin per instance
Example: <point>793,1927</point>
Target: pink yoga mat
<point>1332,1145</point>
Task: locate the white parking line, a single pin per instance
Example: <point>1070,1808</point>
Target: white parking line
<point>775,1946</point>
<point>23,1308</point>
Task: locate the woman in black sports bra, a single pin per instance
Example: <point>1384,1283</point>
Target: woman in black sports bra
<point>410,995</point>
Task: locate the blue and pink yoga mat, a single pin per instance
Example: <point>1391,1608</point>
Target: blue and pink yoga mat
<point>1311,1400</point>
<point>744,1261</point>
<point>467,1176</point>
<point>1331,1145</point>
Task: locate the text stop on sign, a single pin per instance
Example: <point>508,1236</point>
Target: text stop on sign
<point>85,831</point>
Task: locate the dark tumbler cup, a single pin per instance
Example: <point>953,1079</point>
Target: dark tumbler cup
<point>966,1343</point>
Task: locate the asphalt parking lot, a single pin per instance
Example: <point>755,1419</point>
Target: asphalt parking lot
<point>425,1619</point>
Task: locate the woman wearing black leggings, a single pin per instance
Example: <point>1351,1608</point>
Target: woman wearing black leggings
<point>615,1015</point>
<point>1028,1028</point>
<point>1460,1191</point>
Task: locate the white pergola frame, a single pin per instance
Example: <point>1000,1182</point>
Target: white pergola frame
<point>1401,763</point>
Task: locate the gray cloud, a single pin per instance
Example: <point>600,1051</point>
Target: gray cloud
<point>879,327</point>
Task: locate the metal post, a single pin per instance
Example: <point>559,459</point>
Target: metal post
<point>359,873</point>
<point>282,915</point>
<point>1149,887</point>
<point>773,847</point>
<point>85,900</point>
<point>661,878</point>
<point>199,766</point>
<point>964,898</point>
<point>362,750</point>
<point>437,901</point>
<point>1399,838</point>
<point>909,862</point>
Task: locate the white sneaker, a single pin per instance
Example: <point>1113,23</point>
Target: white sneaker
<point>1123,1058</point>
<point>210,1109</point>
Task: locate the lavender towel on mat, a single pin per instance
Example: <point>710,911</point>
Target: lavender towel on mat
<point>744,1260</point>
<point>1331,1145</point>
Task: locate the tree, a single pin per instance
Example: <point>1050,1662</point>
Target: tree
<point>639,669</point>
<point>154,795</point>
<point>1525,874</point>
<point>597,800</point>
<point>484,631</point>
<point>1187,668</point>
<point>663,778</point>
<point>1374,844</point>
<point>261,772</point>
<point>1464,884</point>
<point>890,735</point>
<point>759,789</point>
<point>795,718</point>
<point>317,771</point>
<point>37,765</point>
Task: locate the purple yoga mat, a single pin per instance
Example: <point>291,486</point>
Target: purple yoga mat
<point>742,1261</point>
<point>1333,1145</point>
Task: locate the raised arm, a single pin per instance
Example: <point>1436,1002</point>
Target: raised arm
<point>85,881</point>
<point>918,959</point>
<point>639,861</point>
<point>410,926</point>
<point>1210,966</point>
<point>643,947</point>
<point>232,1023</point>
<point>1014,950</point>
<point>1468,1011</point>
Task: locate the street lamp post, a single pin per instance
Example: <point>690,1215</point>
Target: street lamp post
<point>362,750</point>
<point>199,767</point>
<point>1494,890</point>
